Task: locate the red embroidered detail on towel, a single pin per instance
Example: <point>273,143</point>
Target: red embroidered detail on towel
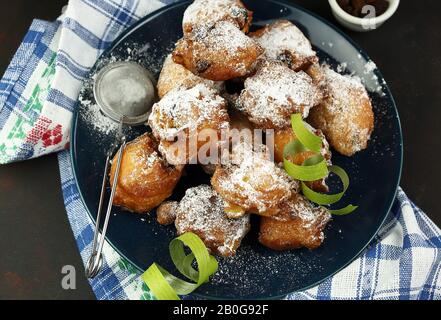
<point>53,137</point>
<point>40,127</point>
<point>42,132</point>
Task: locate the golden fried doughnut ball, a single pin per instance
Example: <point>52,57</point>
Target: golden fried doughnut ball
<point>241,131</point>
<point>206,13</point>
<point>183,114</point>
<point>219,53</point>
<point>166,212</point>
<point>174,75</point>
<point>145,178</point>
<point>283,41</point>
<point>345,116</point>
<point>252,181</point>
<point>201,211</point>
<point>298,225</point>
<point>275,92</point>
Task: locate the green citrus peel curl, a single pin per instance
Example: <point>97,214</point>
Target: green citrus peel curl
<point>325,199</point>
<point>165,286</point>
<point>314,168</point>
<point>311,170</point>
<point>306,137</point>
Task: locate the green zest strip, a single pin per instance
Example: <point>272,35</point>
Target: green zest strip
<point>325,199</point>
<point>306,137</point>
<point>164,285</point>
<point>346,210</point>
<point>154,278</point>
<point>314,168</point>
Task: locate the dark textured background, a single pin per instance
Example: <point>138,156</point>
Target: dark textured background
<point>35,236</point>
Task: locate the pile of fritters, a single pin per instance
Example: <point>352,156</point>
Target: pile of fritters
<point>220,77</point>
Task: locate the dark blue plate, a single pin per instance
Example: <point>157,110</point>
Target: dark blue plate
<point>256,272</point>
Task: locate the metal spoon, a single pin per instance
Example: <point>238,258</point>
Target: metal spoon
<point>110,83</point>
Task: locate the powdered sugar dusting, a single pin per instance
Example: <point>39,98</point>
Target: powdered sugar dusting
<point>133,90</point>
<point>225,38</point>
<point>201,211</point>
<point>186,109</point>
<point>312,217</point>
<point>339,86</point>
<point>174,75</point>
<point>269,265</point>
<point>275,92</point>
<point>260,183</point>
<point>369,78</point>
<point>91,113</point>
<point>369,67</point>
<point>347,102</point>
<point>145,161</point>
<point>208,12</point>
<point>282,37</point>
<point>342,67</point>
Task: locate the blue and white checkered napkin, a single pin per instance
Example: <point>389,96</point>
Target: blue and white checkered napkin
<point>37,96</point>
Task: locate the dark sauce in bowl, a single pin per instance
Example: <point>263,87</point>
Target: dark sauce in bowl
<point>355,7</point>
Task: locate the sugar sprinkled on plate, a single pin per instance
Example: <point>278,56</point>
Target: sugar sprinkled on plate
<point>91,113</point>
<point>369,67</point>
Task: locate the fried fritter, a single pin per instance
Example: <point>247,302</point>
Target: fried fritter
<point>206,13</point>
<point>284,136</point>
<point>345,116</point>
<point>166,212</point>
<point>274,93</point>
<point>145,178</point>
<point>182,115</point>
<point>298,225</point>
<point>174,75</point>
<point>220,53</point>
<point>241,131</point>
<point>283,41</point>
<point>252,181</point>
<point>201,211</point>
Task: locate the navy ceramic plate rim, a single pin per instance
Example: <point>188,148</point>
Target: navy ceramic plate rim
<point>150,16</point>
